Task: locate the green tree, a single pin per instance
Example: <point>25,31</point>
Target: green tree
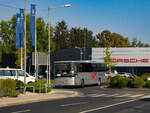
<point>76,38</point>
<point>82,38</point>
<point>61,35</point>
<point>118,40</point>
<point>7,32</point>
<point>140,44</point>
<point>146,45</point>
<point>0,54</point>
<point>42,36</point>
<point>18,58</point>
<point>106,38</point>
<point>108,59</point>
<point>134,42</point>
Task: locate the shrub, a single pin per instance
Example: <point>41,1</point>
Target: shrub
<point>108,82</point>
<point>8,88</point>
<point>119,82</point>
<point>123,82</point>
<point>137,82</point>
<point>114,81</point>
<point>145,76</point>
<point>147,84</point>
<point>19,86</point>
<point>39,86</point>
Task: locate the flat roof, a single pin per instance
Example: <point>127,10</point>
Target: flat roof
<point>79,61</point>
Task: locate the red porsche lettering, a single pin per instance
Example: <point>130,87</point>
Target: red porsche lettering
<point>132,60</point>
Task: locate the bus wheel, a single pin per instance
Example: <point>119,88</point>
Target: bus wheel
<point>82,84</point>
<point>99,82</point>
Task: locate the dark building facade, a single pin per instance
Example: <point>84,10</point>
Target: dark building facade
<point>132,60</point>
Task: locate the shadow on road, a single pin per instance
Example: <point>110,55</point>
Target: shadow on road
<point>145,99</point>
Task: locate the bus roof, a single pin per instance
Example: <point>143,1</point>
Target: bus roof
<point>80,61</point>
<point>10,69</point>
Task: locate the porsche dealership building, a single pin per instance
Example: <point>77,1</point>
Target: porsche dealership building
<point>132,60</point>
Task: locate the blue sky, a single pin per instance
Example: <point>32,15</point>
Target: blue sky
<point>130,18</point>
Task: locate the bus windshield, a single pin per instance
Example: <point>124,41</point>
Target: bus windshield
<point>63,69</point>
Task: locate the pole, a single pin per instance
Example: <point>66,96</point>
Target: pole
<point>84,43</point>
<point>36,73</point>
<point>24,41</point>
<point>81,53</point>
<point>49,70</point>
<point>21,60</point>
<point>37,65</point>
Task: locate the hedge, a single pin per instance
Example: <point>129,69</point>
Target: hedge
<point>39,86</point>
<point>119,82</point>
<point>19,86</point>
<point>123,82</point>
<point>137,82</point>
<point>145,76</point>
<point>147,84</point>
<point>8,88</point>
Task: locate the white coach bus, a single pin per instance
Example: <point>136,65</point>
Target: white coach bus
<point>79,73</point>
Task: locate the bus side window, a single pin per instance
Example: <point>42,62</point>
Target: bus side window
<point>87,67</point>
<point>1,73</point>
<point>80,66</point>
<point>75,69</point>
<point>94,67</point>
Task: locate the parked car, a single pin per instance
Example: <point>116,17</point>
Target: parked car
<point>125,74</point>
<point>16,74</point>
<point>148,78</point>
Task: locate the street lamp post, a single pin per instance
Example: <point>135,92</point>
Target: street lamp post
<point>49,67</point>
<point>24,41</point>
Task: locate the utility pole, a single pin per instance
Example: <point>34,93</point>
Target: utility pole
<point>49,49</point>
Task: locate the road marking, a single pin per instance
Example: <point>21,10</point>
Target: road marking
<point>113,95</point>
<point>124,95</point>
<point>138,95</point>
<point>100,108</point>
<point>23,111</point>
<point>74,104</point>
<point>98,95</point>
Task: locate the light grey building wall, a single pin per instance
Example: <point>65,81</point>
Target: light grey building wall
<point>125,57</point>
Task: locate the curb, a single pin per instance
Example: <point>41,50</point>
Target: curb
<point>60,96</point>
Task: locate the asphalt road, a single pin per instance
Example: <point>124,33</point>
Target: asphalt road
<point>91,100</point>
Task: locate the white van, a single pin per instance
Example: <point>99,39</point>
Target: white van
<point>16,74</point>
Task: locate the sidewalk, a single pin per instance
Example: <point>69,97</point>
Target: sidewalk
<point>34,97</point>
